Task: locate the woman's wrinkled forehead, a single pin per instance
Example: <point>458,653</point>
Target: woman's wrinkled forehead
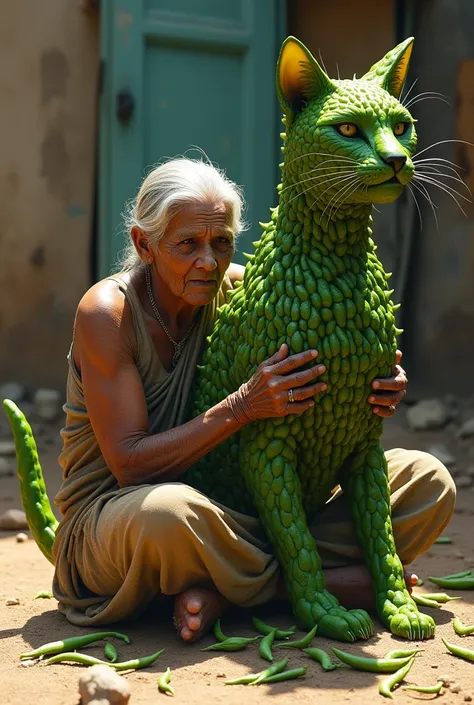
<point>196,217</point>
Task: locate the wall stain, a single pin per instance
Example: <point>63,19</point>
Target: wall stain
<point>55,163</point>
<point>54,74</point>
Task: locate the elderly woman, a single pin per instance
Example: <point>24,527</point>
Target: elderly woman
<point>130,529</point>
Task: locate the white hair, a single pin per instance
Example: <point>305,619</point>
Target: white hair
<point>167,189</point>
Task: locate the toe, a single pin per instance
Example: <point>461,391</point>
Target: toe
<point>193,622</point>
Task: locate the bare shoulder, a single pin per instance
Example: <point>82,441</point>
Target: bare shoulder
<point>235,272</point>
<point>103,323</point>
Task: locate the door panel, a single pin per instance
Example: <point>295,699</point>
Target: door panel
<point>192,75</point>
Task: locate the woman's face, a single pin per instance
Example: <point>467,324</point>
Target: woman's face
<point>195,251</point>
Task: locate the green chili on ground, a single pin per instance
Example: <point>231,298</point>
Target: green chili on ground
<point>265,646</point>
<point>466,654</point>
<point>111,652</point>
<point>72,643</point>
<point>299,643</point>
<point>462,629</point>
<point>133,664</point>
<point>272,670</point>
<point>233,643</point>
<point>323,658</point>
<point>263,628</point>
<point>385,687</point>
<point>284,676</point>
<point>431,689</point>
<point>374,665</point>
<point>164,683</point>
<point>218,633</point>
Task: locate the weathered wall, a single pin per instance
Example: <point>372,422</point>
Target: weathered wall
<point>48,85</point>
<point>440,337</point>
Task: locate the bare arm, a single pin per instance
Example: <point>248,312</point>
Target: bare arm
<point>235,272</point>
<point>104,351</point>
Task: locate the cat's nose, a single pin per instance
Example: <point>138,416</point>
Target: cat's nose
<point>395,160</point>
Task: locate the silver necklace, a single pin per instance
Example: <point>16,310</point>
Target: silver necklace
<point>178,346</point>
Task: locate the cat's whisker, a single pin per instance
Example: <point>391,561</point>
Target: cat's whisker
<point>431,179</point>
<point>340,194</point>
<point>341,181</point>
<point>402,100</point>
<point>337,70</point>
<point>427,95</point>
<point>322,62</point>
<point>346,196</point>
<point>447,190</point>
<point>333,179</point>
<point>318,177</point>
<point>437,159</point>
<point>434,170</point>
<point>324,154</point>
<point>436,165</point>
<point>321,167</point>
<point>424,192</point>
<point>334,196</point>
<point>417,206</point>
<point>470,144</point>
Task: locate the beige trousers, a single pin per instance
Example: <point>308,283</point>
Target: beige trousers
<point>169,537</point>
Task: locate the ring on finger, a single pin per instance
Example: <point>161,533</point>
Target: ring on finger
<point>291,397</point>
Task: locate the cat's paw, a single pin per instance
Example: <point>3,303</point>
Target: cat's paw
<point>346,625</point>
<point>409,623</point>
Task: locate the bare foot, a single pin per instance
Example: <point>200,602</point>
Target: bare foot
<point>352,585</point>
<point>196,610</point>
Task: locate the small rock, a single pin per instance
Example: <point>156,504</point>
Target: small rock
<point>21,538</point>
<point>103,684</point>
<point>13,519</point>
<point>12,601</point>
<point>14,391</point>
<point>28,662</point>
<point>428,414</point>
<point>7,448</point>
<point>221,675</point>
<point>463,481</point>
<point>47,404</point>
<point>446,680</point>
<point>6,469</point>
<point>443,454</point>
<point>455,688</point>
<point>459,554</point>
<point>467,698</point>
<point>467,429</point>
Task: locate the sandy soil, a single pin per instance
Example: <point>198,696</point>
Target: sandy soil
<point>199,677</point>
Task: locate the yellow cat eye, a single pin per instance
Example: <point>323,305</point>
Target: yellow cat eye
<point>400,128</point>
<point>347,129</point>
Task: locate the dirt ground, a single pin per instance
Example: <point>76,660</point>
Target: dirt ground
<point>199,677</point>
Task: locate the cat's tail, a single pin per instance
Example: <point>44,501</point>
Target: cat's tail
<point>34,497</point>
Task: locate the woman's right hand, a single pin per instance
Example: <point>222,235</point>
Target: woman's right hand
<point>266,394</point>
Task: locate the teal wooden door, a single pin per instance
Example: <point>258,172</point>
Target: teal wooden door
<point>179,74</point>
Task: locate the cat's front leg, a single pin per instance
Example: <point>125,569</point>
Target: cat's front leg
<point>268,462</point>
<point>366,487</point>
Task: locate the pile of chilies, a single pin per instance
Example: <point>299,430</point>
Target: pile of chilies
<point>397,663</point>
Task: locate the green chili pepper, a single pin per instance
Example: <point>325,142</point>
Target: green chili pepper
<point>271,671</point>
<point>111,652</point>
<point>463,574</point>
<point>374,665</point>
<point>402,653</point>
<point>426,688</point>
<point>443,539</point>
<point>385,687</point>
<point>284,676</point>
<point>45,594</point>
<point>41,520</point>
<point>462,629</point>
<point>72,643</point>
<point>459,651</point>
<point>425,601</point>
<point>218,633</point>
<point>163,683</point>
<point>265,646</point>
<point>323,658</point>
<point>463,583</point>
<point>133,664</point>
<point>234,643</point>
<point>440,597</point>
<point>263,628</point>
<point>300,643</point>
<point>244,680</point>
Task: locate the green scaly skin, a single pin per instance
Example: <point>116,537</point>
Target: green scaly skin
<point>315,281</point>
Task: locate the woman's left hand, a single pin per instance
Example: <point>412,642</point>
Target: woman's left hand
<point>389,392</point>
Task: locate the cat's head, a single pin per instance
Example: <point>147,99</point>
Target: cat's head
<point>347,141</point>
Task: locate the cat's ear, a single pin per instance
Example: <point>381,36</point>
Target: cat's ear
<point>299,78</point>
<point>391,71</point>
